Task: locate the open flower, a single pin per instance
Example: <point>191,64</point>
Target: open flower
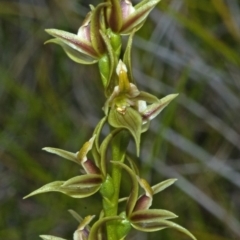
<point>82,231</point>
<point>138,215</point>
<point>87,46</point>
<point>123,18</point>
<point>80,186</point>
<point>127,107</point>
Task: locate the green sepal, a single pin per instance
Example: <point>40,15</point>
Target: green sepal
<point>62,153</point>
<point>50,187</point>
<point>150,215</point>
<point>137,18</point>
<point>95,26</point>
<point>127,59</point>
<point>95,148</point>
<point>162,224</point>
<point>79,192</point>
<point>130,120</point>
<point>150,227</point>
<point>75,215</point>
<point>147,97</point>
<point>133,165</point>
<point>132,199</point>
<point>49,237</point>
<point>94,233</point>
<point>163,185</point>
<point>143,2</point>
<point>154,109</point>
<point>83,228</point>
<point>114,15</point>
<point>87,146</point>
<point>75,191</point>
<point>73,54</point>
<point>107,188</point>
<point>146,187</point>
<point>83,181</point>
<point>73,41</point>
<point>97,131</point>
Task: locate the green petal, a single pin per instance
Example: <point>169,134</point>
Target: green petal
<point>85,222</point>
<point>114,15</point>
<point>133,165</point>
<point>150,215</point>
<point>95,148</point>
<point>152,227</point>
<point>127,57</point>
<point>79,192</point>
<point>154,109</point>
<point>136,19</point>
<point>49,237</point>
<point>72,191</point>
<point>83,181</point>
<point>62,153</point>
<point>130,120</point>
<point>87,146</point>
<point>163,185</point>
<point>95,26</point>
<point>147,97</point>
<point>75,215</point>
<point>145,185</point>
<point>75,55</point>
<point>180,229</point>
<point>143,2</point>
<point>134,191</point>
<point>97,131</point>
<point>50,187</point>
<point>73,41</point>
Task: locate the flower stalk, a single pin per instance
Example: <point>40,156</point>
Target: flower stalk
<point>119,147</point>
<point>128,112</point>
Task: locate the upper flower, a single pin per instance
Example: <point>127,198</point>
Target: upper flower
<point>123,18</point>
<point>87,46</point>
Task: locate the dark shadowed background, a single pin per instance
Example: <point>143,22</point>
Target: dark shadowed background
<point>186,46</point>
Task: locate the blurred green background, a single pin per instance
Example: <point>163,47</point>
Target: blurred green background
<point>186,46</point>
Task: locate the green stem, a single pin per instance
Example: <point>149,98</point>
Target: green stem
<point>119,146</point>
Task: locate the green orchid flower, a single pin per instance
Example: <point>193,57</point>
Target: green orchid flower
<point>129,108</point>
<point>87,46</point>
<point>80,186</point>
<point>82,231</point>
<point>138,215</point>
<point>123,17</point>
